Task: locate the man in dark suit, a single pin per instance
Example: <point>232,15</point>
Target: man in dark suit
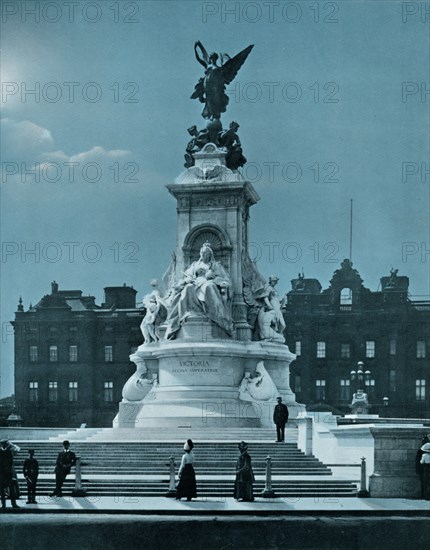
<point>65,460</point>
<point>31,473</point>
<point>7,475</point>
<point>280,418</point>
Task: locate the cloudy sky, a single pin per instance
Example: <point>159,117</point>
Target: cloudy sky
<point>332,106</point>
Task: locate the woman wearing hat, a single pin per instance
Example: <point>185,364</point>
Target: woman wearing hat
<point>244,475</point>
<point>425,464</point>
<point>187,477</point>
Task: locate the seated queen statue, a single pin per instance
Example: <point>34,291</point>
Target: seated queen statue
<point>204,289</point>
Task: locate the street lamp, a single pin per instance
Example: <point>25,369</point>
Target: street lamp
<point>360,404</point>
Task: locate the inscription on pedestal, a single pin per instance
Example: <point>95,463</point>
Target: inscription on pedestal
<point>194,367</point>
<point>193,372</point>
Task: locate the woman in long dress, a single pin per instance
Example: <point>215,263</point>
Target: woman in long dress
<point>244,475</point>
<point>187,477</point>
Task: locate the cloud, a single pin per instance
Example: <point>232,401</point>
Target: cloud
<point>26,142</point>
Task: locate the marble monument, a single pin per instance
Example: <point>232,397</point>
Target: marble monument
<point>214,353</point>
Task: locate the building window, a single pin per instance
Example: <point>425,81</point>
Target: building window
<point>321,350</point>
<point>370,349</point>
<point>53,354</point>
<point>108,354</point>
<point>345,389</point>
<point>108,391</point>
<point>420,390</point>
<point>392,380</point>
<point>320,390</point>
<point>345,351</point>
<point>33,354</point>
<point>73,391</point>
<point>73,333</point>
<point>33,391</point>
<point>393,347</point>
<point>73,354</point>
<point>52,391</point>
<point>421,349</point>
<point>53,331</point>
<point>297,383</point>
<point>346,297</point>
<point>298,348</point>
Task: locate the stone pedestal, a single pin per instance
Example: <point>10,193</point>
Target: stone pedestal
<point>198,384</point>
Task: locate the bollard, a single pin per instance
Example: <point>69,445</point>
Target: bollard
<point>268,491</point>
<point>363,492</point>
<point>78,490</point>
<point>172,488</point>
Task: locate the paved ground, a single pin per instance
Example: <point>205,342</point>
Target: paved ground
<point>211,505</point>
<point>114,523</point>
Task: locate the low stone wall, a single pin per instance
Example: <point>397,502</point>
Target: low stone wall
<point>394,473</point>
<point>31,434</point>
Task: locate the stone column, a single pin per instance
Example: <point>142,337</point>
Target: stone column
<point>304,441</point>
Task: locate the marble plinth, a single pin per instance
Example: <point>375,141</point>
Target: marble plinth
<point>198,385</point>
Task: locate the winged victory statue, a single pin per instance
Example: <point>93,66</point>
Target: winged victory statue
<point>210,89</point>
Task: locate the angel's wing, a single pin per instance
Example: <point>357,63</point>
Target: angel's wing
<point>232,66</point>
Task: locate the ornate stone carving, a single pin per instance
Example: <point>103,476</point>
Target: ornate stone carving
<point>259,387</point>
<point>156,312</point>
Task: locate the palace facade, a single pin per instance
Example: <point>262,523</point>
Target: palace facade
<point>72,356</point>
<point>332,330</point>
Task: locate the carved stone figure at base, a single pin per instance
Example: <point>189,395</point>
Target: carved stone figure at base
<point>259,387</point>
<point>271,322</point>
<point>156,312</point>
<point>138,385</point>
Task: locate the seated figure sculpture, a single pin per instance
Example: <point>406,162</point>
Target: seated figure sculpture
<point>203,290</point>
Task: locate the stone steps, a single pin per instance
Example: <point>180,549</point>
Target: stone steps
<point>175,434</point>
<point>141,468</point>
<point>152,458</point>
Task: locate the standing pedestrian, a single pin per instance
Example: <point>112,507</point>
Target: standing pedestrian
<point>15,450</point>
<point>187,477</point>
<point>31,473</point>
<point>425,479</point>
<point>418,465</point>
<point>6,475</point>
<point>280,418</point>
<point>65,460</point>
<point>243,489</point>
